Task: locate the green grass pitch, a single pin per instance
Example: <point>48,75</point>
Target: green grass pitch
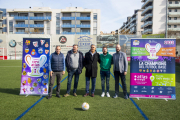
<point>12,104</point>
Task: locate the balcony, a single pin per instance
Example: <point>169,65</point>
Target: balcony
<point>40,18</point>
<point>174,6</point>
<point>148,1</point>
<point>67,26</point>
<point>147,31</point>
<point>36,32</point>
<point>1,25</point>
<point>20,18</point>
<point>68,33</point>
<point>174,14</point>
<point>132,30</point>
<point>21,33</point>
<point>174,22</point>
<point>173,29</point>
<point>146,24</point>
<point>83,18</point>
<point>83,33</point>
<point>83,26</point>
<point>21,25</point>
<point>132,25</point>
<point>68,18</point>
<point>37,25</point>
<point>145,10</point>
<point>146,17</point>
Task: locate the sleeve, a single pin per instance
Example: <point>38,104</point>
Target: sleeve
<point>50,57</point>
<point>125,63</point>
<point>84,61</point>
<point>64,64</point>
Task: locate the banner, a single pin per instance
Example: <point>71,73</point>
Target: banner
<point>110,41</point>
<point>35,72</point>
<point>154,36</point>
<point>152,73</point>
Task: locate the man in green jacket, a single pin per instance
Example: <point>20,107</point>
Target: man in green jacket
<point>105,65</point>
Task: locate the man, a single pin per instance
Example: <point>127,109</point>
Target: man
<point>120,70</point>
<point>74,64</point>
<point>57,69</point>
<point>90,63</point>
<point>105,61</point>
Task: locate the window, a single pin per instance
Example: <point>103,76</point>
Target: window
<point>175,26</point>
<point>176,2</point>
<point>169,10</point>
<point>94,32</point>
<point>169,26</point>
<point>57,31</point>
<point>95,16</point>
<point>169,18</point>
<point>175,10</point>
<point>175,18</point>
<point>94,24</point>
<point>170,2</point>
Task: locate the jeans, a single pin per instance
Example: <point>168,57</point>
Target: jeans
<point>103,75</point>
<point>93,79</point>
<point>117,74</point>
<point>76,79</point>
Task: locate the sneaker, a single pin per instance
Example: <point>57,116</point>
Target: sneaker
<point>75,94</point>
<point>103,93</point>
<point>92,95</point>
<point>49,97</point>
<point>107,94</point>
<point>58,96</point>
<point>125,97</point>
<point>66,95</point>
<point>87,94</point>
<point>115,96</point>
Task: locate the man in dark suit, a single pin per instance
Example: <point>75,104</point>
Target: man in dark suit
<point>90,63</point>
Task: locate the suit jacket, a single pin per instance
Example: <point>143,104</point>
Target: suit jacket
<point>90,63</point>
<point>123,63</point>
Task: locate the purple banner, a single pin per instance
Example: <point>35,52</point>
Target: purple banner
<point>35,72</point>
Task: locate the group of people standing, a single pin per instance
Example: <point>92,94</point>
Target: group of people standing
<point>75,61</point>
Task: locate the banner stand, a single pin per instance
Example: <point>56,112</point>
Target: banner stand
<point>27,95</point>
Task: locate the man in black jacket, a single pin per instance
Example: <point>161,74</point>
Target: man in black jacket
<point>90,63</point>
<point>74,64</point>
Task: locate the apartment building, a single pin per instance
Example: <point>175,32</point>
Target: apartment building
<point>133,24</point>
<point>44,20</point>
<point>3,26</point>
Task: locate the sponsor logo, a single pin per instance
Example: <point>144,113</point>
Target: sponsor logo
<point>12,43</point>
<point>157,70</point>
<point>147,70</point>
<point>26,50</point>
<point>46,45</point>
<point>150,70</point>
<point>46,51</point>
<point>40,50</point>
<point>24,82</point>
<point>136,42</point>
<point>33,52</point>
<point>62,39</point>
<point>140,70</point>
<point>24,65</point>
<point>169,42</point>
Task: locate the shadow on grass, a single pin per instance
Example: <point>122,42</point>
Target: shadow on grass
<point>79,109</point>
<point>14,91</point>
<point>81,92</point>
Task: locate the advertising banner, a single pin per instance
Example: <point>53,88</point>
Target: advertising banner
<point>154,36</point>
<point>152,73</point>
<point>110,41</point>
<point>35,72</point>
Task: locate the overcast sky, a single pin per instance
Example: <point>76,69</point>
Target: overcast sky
<point>113,12</point>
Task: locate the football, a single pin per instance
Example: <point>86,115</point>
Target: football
<point>85,106</point>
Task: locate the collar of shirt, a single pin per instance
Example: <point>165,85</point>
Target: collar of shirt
<point>92,53</point>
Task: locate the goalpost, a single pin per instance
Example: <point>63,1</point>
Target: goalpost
<point>3,53</point>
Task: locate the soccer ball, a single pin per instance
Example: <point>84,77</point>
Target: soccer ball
<point>85,106</point>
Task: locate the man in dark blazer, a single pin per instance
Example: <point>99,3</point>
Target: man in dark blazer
<point>120,70</point>
<point>90,63</point>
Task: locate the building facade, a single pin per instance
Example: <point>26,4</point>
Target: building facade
<point>44,20</point>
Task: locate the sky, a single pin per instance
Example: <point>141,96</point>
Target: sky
<point>113,12</point>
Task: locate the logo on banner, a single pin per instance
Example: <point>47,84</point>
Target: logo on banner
<point>26,50</point>
<point>42,42</point>
<point>24,90</point>
<point>151,78</point>
<point>46,45</point>
<point>12,43</point>
<point>39,80</point>
<point>24,82</point>
<point>62,39</point>
<point>40,50</point>
<point>136,42</point>
<point>24,65</point>
<point>33,52</point>
<point>46,51</point>
<point>35,44</point>
<point>35,64</point>
<point>152,49</point>
<point>27,42</point>
<point>29,80</point>
<point>85,41</point>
